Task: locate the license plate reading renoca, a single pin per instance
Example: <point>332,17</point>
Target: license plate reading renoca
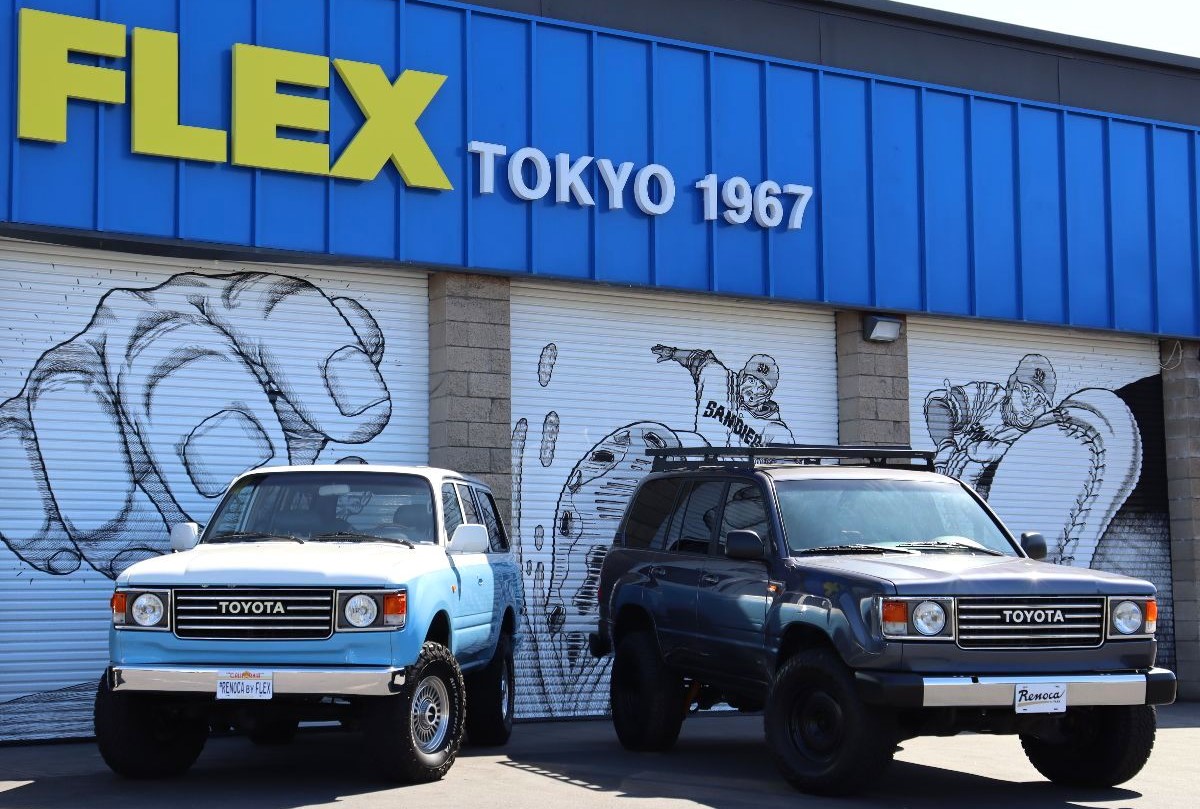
<point>1040,697</point>
<point>244,684</point>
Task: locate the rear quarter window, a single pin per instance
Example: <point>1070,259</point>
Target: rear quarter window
<point>650,513</point>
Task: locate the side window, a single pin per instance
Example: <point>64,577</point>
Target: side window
<point>744,511</point>
<point>650,514</point>
<point>693,527</point>
<point>451,511</point>
<point>470,513</point>
<point>491,518</point>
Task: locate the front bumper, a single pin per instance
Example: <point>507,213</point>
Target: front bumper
<point>358,681</point>
<point>905,690</point>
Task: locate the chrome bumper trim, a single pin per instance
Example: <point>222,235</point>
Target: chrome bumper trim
<point>999,692</point>
<point>357,681</point>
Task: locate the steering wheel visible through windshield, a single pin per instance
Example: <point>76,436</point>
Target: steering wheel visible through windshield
<point>334,506</point>
<point>882,515</point>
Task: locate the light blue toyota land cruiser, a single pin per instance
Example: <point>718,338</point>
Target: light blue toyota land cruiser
<point>384,597</point>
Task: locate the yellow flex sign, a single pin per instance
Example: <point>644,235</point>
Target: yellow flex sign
<point>48,79</point>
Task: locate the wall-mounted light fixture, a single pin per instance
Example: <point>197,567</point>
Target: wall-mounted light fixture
<point>880,328</point>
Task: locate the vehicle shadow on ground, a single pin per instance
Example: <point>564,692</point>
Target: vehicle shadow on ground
<point>719,762</point>
<point>232,773</point>
<point>724,763</point>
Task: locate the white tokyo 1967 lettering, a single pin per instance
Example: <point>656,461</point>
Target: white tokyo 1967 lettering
<point>532,175</point>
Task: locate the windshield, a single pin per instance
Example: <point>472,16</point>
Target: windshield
<point>881,515</point>
<point>333,506</point>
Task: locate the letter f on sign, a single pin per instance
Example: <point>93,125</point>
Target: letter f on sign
<point>48,77</point>
<point>390,130</point>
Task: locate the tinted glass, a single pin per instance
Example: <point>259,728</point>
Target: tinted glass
<point>451,509</point>
<point>820,513</point>
<point>649,515</point>
<point>693,527</point>
<point>470,515</point>
<point>320,505</point>
<point>497,539</point>
<point>744,511</point>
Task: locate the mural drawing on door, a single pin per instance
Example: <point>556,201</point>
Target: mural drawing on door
<point>139,419</point>
<point>568,501</point>
<point>1065,444</point>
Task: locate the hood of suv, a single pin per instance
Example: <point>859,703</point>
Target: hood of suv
<point>265,564</point>
<point>964,574</point>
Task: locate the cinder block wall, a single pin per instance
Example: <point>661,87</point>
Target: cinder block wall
<point>872,385</point>
<point>1181,401</point>
<point>470,391</point>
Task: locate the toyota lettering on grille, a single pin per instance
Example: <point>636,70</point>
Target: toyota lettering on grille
<point>1033,616</point>
<point>250,607</point>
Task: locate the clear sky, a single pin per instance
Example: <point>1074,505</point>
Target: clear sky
<point>1161,25</point>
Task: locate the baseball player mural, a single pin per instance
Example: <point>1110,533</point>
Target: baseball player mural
<point>1070,445</point>
<point>733,408</point>
<point>997,438</point>
<point>974,424</point>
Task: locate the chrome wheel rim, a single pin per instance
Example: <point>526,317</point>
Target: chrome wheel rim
<point>504,692</point>
<point>430,719</point>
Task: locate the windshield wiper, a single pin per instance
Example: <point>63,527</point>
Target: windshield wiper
<point>939,544</point>
<point>859,548</point>
<point>357,535</point>
<point>253,536</point>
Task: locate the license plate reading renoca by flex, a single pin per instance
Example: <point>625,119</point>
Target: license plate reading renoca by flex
<point>245,684</point>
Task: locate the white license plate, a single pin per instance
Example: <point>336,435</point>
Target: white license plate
<point>1040,697</point>
<point>245,684</point>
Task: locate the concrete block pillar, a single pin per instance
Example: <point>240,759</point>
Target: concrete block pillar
<point>470,391</point>
<point>872,385</point>
<point>1181,402</point>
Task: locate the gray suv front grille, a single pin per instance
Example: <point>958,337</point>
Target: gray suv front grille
<point>253,613</point>
<point>1030,623</point>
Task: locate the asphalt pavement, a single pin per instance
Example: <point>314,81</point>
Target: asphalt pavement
<point>720,761</point>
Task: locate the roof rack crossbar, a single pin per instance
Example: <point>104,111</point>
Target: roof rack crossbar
<point>677,457</point>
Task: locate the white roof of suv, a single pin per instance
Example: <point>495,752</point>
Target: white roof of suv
<point>433,474</point>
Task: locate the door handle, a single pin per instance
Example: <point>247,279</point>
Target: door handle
<point>657,571</point>
<point>709,579</point>
<point>481,581</point>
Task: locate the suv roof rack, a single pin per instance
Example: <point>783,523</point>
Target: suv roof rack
<point>668,458</point>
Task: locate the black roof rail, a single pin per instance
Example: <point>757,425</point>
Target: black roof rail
<point>668,458</point>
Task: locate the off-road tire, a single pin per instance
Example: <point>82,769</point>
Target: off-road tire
<point>648,700</point>
<point>824,738</point>
<point>273,732</point>
<point>1100,747</point>
<point>414,736</point>
<point>491,698</point>
<point>140,738</point>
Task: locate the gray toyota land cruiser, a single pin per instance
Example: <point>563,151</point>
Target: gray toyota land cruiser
<point>858,598</point>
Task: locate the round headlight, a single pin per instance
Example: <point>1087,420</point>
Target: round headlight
<point>1127,618</point>
<point>361,611</point>
<point>929,618</point>
<point>147,610</point>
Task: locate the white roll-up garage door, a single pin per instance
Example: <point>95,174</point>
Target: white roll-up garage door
<point>132,389</point>
<point>1062,432</point>
<point>598,376</point>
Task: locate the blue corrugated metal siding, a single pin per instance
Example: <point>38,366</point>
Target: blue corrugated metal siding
<point>8,126</point>
<point>927,198</point>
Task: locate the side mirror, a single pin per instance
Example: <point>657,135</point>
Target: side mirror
<point>1034,545</point>
<point>184,536</point>
<point>469,538</point>
<point>746,545</point>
